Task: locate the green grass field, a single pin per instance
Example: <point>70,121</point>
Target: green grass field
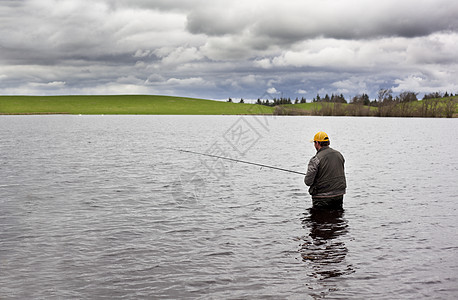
<point>124,104</point>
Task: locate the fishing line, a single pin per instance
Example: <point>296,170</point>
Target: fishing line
<point>238,160</point>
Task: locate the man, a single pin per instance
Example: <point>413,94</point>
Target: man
<point>326,175</point>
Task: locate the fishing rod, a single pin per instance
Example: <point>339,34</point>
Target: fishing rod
<point>238,160</point>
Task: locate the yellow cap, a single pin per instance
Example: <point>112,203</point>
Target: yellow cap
<point>320,137</point>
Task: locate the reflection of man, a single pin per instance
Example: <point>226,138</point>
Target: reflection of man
<point>324,247</point>
<point>326,175</point>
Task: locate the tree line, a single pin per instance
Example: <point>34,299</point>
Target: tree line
<point>383,95</point>
<point>274,101</point>
<point>434,104</point>
<point>405,104</point>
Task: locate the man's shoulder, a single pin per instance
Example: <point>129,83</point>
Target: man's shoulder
<point>329,150</point>
<point>338,154</point>
<point>333,150</point>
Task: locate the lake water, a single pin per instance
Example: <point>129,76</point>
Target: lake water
<point>106,207</point>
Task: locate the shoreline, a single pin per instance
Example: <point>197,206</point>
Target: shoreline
<point>170,105</point>
<point>254,115</point>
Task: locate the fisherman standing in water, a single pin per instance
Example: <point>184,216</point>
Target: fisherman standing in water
<point>326,175</point>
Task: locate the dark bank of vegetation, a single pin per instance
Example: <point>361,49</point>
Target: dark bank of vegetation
<point>406,104</point>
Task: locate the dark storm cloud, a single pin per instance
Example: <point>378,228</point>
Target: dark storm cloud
<point>298,20</point>
<point>221,48</point>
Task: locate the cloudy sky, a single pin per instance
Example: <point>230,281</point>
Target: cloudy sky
<point>228,48</point>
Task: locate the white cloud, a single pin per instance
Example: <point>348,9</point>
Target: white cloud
<point>187,81</point>
<point>116,88</point>
<point>411,83</point>
<point>53,84</point>
<point>329,56</point>
<point>428,82</point>
<point>438,48</point>
<point>182,55</point>
<point>142,53</point>
<point>264,63</point>
<point>272,90</point>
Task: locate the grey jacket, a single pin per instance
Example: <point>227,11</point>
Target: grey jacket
<point>326,174</point>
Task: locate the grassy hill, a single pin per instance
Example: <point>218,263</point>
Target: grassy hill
<point>124,104</point>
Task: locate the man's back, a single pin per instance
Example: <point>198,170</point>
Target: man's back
<point>326,173</point>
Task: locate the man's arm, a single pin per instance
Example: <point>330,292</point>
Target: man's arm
<point>311,171</point>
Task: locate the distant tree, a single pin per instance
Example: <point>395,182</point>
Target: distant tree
<point>303,100</point>
<point>338,98</point>
<point>385,95</point>
<point>446,95</point>
<point>241,100</point>
<point>366,99</point>
<point>361,99</point>
<point>259,101</point>
<point>385,105</point>
<point>434,95</point>
<point>318,98</point>
<point>229,100</point>
<point>408,97</point>
<point>296,101</point>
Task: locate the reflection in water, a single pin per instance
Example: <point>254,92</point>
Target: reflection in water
<point>324,247</point>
